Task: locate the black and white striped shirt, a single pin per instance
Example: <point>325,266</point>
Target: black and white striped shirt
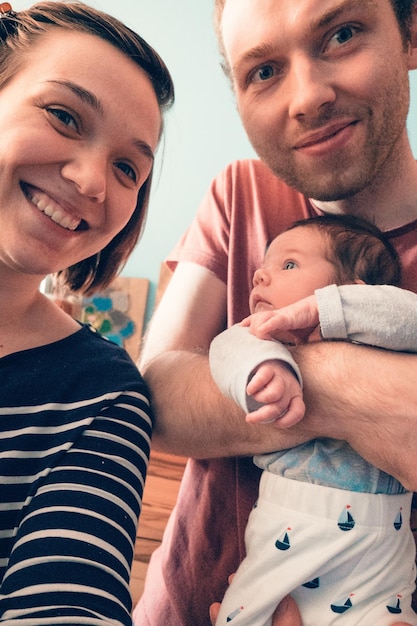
<point>75,429</point>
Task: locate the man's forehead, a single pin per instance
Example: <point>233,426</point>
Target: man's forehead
<point>250,25</point>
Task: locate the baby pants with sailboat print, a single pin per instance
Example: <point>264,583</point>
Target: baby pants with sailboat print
<point>346,557</point>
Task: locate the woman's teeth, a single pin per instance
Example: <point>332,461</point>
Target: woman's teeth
<point>55,212</point>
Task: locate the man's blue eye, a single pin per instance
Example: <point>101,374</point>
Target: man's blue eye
<point>344,34</point>
<point>265,73</point>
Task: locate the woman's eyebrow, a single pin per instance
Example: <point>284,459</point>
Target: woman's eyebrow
<point>144,148</point>
<point>86,96</point>
<point>89,98</point>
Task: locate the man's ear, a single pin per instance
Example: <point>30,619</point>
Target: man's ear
<point>412,44</point>
<point>359,281</point>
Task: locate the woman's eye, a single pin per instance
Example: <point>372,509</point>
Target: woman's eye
<point>64,117</point>
<point>127,170</point>
<point>289,265</point>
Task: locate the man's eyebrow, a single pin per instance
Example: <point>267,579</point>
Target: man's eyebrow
<point>263,50</point>
<point>89,98</point>
<point>257,52</point>
<point>342,7</point>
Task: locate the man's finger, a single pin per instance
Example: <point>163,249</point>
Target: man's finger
<point>214,611</point>
<point>287,613</point>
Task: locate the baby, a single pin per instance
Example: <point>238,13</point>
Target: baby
<point>328,527</point>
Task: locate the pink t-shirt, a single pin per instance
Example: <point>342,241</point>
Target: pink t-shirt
<point>245,208</point>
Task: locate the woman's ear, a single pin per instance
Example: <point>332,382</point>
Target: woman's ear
<point>412,44</point>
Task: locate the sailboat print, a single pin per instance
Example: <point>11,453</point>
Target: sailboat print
<point>284,543</point>
<point>234,613</point>
<point>341,608</point>
<point>398,522</point>
<point>395,607</point>
<point>312,584</point>
<point>346,521</point>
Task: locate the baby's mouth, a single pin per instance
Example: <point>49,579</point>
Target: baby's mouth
<point>262,305</point>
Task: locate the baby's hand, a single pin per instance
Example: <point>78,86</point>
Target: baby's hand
<point>293,324</point>
<point>276,387</point>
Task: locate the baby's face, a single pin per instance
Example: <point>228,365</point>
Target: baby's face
<point>295,265</point>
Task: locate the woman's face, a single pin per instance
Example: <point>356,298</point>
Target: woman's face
<point>79,126</point>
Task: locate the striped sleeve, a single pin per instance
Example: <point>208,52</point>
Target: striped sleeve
<point>73,549</point>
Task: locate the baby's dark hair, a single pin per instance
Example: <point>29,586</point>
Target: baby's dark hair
<point>357,249</point>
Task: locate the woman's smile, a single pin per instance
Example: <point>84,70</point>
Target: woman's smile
<point>55,211</point>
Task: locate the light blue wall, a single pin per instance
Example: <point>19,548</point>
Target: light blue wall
<point>203,132</point>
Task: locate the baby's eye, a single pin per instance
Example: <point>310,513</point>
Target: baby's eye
<point>289,265</point>
<point>127,170</point>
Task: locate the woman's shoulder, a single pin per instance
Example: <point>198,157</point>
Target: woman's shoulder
<point>90,345</point>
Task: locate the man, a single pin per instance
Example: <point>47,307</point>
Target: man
<point>322,90</point>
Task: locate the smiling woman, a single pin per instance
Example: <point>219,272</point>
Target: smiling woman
<point>92,148</point>
<point>77,145</point>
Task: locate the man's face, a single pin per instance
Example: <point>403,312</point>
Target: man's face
<point>322,89</point>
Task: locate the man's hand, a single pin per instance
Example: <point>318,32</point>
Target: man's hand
<point>293,324</point>
<point>276,387</point>
<point>287,613</point>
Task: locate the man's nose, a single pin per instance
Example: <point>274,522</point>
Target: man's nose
<point>309,87</point>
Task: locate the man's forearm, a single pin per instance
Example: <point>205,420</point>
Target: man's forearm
<point>193,418</point>
<point>367,397</point>
<point>363,395</point>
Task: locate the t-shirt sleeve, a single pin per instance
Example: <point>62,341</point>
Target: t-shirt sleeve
<point>206,240</point>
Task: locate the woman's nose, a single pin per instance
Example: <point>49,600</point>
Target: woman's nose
<point>89,175</point>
